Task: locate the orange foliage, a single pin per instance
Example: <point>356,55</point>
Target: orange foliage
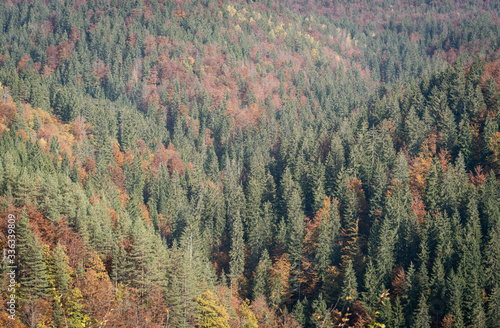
<point>82,176</point>
<point>280,280</point>
<point>116,175</point>
<point>479,176</point>
<point>444,158</point>
<point>145,214</point>
<point>79,127</point>
<point>418,169</point>
<point>100,70</point>
<point>124,198</point>
<point>97,289</point>
<point>418,207</point>
<point>75,247</point>
<point>41,226</point>
<point>398,281</point>
<point>118,156</point>
<point>89,164</point>
<point>265,316</point>
<point>7,112</point>
<point>22,63</point>
<point>165,227</point>
<point>159,159</point>
<point>491,70</point>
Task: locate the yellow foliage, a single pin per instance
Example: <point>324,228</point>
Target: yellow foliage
<point>231,10</point>
<point>249,320</point>
<point>211,313</point>
<point>314,54</point>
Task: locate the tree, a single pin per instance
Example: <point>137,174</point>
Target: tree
<point>62,270</point>
<point>237,253</point>
<point>494,306</point>
<point>97,290</point>
<point>279,281</point>
<point>320,316</point>
<point>329,233</point>
<point>422,318</point>
<point>261,279</point>
<point>248,319</point>
<point>32,267</point>
<point>211,314</point>
<point>349,292</point>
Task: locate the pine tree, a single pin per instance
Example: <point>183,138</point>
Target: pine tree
<point>261,279</point>
<point>494,308</point>
<point>32,268</point>
<point>349,292</point>
<point>456,288</point>
<point>422,318</point>
<point>62,270</point>
<point>371,284</point>
<point>329,234</point>
<point>320,313</point>
<point>237,253</point>
<point>299,312</point>
<point>399,320</point>
<point>465,142</point>
<point>472,266</point>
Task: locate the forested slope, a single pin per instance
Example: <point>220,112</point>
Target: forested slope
<point>251,164</point>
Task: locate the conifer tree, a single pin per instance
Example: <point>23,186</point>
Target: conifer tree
<point>422,318</point>
<point>32,267</point>
<point>237,253</point>
<point>261,279</point>
<point>329,234</point>
<point>493,308</point>
<point>349,292</point>
<point>62,270</point>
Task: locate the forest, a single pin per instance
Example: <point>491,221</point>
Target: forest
<point>244,164</point>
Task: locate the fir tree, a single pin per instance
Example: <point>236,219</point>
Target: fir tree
<point>349,292</point>
<point>261,278</point>
<point>422,318</point>
<point>32,267</point>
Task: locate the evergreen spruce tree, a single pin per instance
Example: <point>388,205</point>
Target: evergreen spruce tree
<point>237,253</point>
<point>320,313</point>
<point>494,308</point>
<point>329,234</point>
<point>371,284</point>
<point>349,292</point>
<point>422,318</point>
<point>32,267</point>
<point>299,312</point>
<point>62,270</point>
<point>261,279</point>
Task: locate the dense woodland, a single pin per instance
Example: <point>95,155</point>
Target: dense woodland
<point>214,163</point>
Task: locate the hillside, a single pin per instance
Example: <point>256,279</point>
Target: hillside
<point>250,164</point>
